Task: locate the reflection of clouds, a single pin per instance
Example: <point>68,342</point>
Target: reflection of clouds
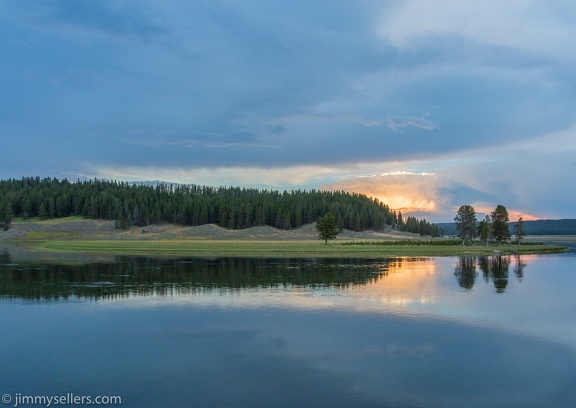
<point>409,287</point>
<point>397,350</point>
<point>337,355</point>
<point>406,282</point>
<point>403,300</point>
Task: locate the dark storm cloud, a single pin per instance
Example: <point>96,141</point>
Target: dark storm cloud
<point>259,84</point>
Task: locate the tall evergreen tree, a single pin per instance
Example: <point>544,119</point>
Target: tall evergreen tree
<point>519,229</point>
<point>42,212</point>
<point>500,230</point>
<point>484,229</point>
<point>400,221</point>
<point>327,228</point>
<point>466,223</point>
<point>5,213</point>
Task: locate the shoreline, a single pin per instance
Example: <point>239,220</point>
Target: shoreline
<point>282,249</point>
<point>76,235</point>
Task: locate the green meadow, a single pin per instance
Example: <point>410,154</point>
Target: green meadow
<point>295,248</point>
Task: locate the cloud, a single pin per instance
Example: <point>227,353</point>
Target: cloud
<point>248,90</point>
<point>528,26</point>
<point>402,190</point>
<point>431,188</point>
<point>273,177</point>
<point>195,140</point>
<point>117,18</point>
<point>397,123</point>
<point>483,209</point>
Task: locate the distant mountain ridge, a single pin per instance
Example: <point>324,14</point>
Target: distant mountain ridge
<point>537,227</point>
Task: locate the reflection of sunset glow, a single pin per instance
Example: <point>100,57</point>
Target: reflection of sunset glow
<point>405,301</point>
<point>407,283</point>
<point>407,287</point>
<point>407,192</point>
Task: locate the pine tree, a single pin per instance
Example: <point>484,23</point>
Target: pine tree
<point>5,214</point>
<point>500,230</point>
<point>466,223</point>
<point>327,228</point>
<point>484,229</point>
<point>42,214</point>
<point>519,229</point>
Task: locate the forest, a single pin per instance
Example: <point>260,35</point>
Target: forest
<point>537,227</point>
<point>229,207</point>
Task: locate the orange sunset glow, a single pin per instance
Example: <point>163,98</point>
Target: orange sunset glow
<point>405,282</point>
<point>406,192</point>
<point>415,193</point>
<point>513,214</point>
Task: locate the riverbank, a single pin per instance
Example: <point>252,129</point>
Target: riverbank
<point>269,248</point>
<point>76,228</point>
<point>101,237</point>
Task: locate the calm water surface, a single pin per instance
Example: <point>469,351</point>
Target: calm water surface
<point>186,332</point>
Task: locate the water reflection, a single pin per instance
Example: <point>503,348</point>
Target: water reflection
<point>125,276</point>
<point>143,276</point>
<point>494,269</point>
<point>249,332</point>
<point>465,272</point>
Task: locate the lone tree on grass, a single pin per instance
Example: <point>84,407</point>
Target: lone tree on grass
<point>327,228</point>
<point>466,223</point>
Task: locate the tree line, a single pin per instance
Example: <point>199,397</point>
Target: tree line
<point>536,227</point>
<point>229,207</point>
<point>494,227</point>
<point>549,227</point>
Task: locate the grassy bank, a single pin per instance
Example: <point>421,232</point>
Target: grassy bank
<point>79,235</point>
<point>52,221</point>
<point>264,248</point>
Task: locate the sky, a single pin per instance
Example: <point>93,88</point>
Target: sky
<point>426,105</point>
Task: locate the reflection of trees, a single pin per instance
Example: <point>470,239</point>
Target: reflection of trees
<point>519,267</point>
<point>130,276</point>
<point>494,268</point>
<point>4,257</point>
<point>465,272</point>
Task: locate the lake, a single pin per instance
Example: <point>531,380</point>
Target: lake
<point>241,332</point>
